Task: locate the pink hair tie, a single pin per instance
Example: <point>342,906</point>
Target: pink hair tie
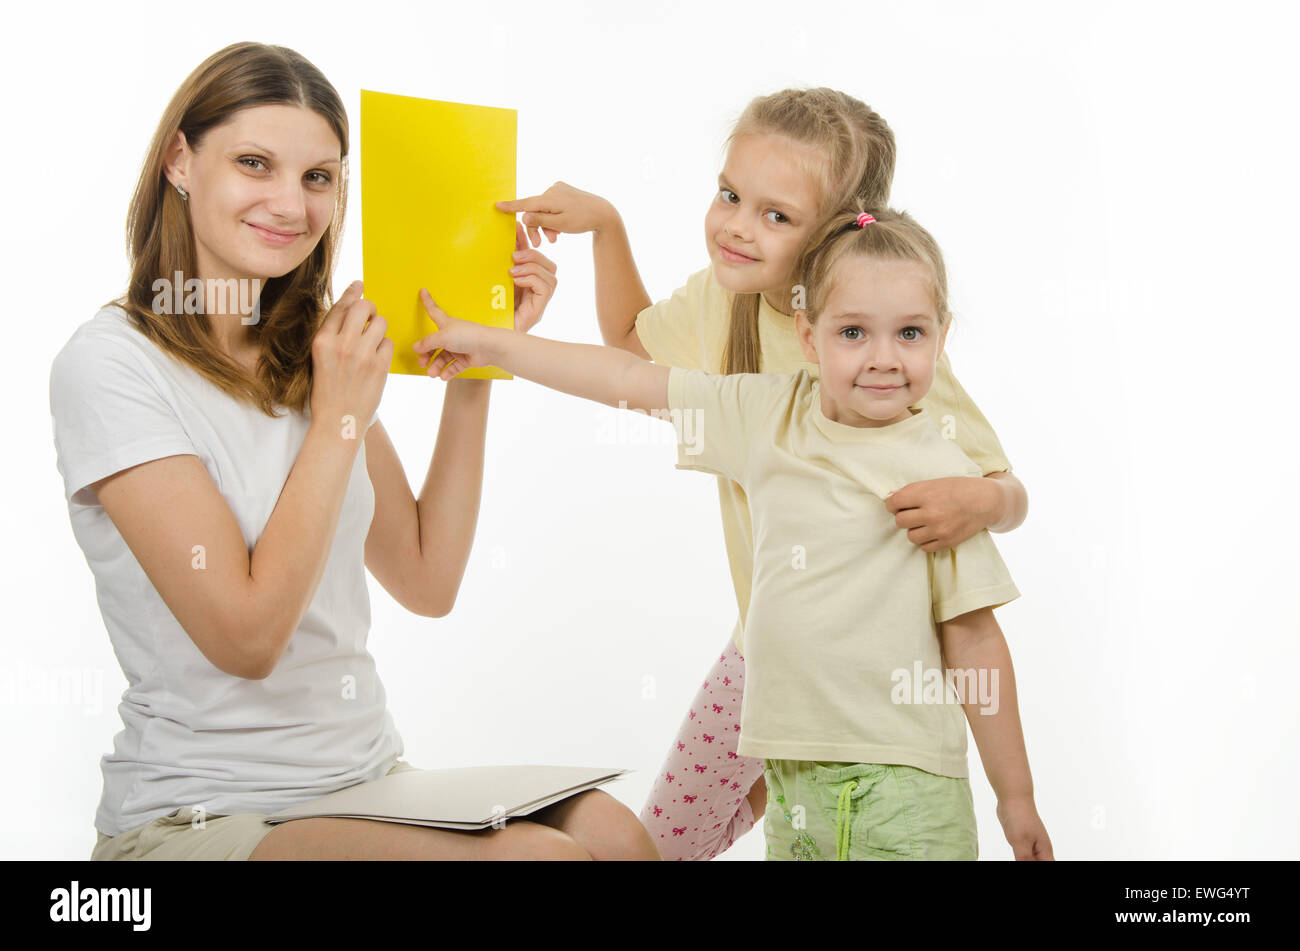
<point>864,219</point>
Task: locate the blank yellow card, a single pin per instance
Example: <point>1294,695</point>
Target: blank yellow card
<point>431,173</point>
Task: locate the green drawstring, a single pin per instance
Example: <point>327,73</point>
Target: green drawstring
<point>843,811</point>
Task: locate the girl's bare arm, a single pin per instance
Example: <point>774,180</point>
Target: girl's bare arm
<point>602,374</point>
<point>1014,502</point>
<point>620,294</point>
<point>974,648</point>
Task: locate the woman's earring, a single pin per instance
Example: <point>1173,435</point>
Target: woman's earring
<point>185,196</point>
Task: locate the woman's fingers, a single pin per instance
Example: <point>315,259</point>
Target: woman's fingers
<point>535,273</point>
<point>538,271</point>
<point>531,256</point>
<point>527,275</point>
<point>532,297</point>
<point>531,302</point>
<point>376,331</point>
<point>537,283</point>
<point>334,316</point>
<point>354,320</point>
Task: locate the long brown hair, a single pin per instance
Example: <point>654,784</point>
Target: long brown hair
<point>859,146</point>
<point>160,238</point>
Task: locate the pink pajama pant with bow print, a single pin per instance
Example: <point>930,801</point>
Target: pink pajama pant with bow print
<point>697,806</point>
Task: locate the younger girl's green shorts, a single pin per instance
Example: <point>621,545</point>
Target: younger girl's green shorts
<point>854,811</point>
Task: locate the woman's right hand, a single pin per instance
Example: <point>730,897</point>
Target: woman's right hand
<point>350,357</point>
<point>561,209</point>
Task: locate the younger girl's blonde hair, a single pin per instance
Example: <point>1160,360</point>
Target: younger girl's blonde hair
<point>860,152</point>
<point>892,235</point>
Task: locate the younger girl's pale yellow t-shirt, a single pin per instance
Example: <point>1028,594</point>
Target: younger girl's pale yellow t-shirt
<point>689,330</point>
<point>843,658</point>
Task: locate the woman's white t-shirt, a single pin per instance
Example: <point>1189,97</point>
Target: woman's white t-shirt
<point>193,735</point>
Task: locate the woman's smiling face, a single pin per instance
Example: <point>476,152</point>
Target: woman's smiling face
<point>262,189</point>
<point>767,203</point>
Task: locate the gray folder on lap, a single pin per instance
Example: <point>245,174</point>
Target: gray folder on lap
<point>469,798</point>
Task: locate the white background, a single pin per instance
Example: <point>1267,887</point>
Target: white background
<point>1114,188</point>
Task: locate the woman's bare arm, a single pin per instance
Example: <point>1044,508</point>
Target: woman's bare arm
<point>239,607</point>
<point>418,548</point>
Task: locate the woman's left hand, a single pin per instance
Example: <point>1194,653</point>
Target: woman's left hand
<point>943,513</point>
<point>534,276</point>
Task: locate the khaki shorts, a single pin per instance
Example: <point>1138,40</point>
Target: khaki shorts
<point>173,836</point>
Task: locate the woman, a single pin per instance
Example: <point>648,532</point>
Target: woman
<point>228,479</point>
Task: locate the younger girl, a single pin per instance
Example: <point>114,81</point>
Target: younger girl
<point>792,158</point>
<point>852,630</point>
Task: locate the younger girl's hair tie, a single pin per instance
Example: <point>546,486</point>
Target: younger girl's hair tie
<point>865,219</point>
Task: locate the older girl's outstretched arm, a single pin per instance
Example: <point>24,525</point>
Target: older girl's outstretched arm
<point>603,374</point>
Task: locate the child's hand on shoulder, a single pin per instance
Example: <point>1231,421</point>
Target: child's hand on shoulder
<point>1024,830</point>
<point>561,209</point>
<point>463,343</point>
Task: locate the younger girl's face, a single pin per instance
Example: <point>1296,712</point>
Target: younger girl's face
<point>765,208</point>
<point>876,341</point>
<point>262,187</point>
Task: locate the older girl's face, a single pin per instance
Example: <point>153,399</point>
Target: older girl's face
<point>262,188</point>
<point>765,208</point>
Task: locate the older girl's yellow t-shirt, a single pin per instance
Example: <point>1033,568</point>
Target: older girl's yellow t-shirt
<point>689,330</point>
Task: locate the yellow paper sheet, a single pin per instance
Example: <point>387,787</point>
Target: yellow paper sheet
<point>431,173</point>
